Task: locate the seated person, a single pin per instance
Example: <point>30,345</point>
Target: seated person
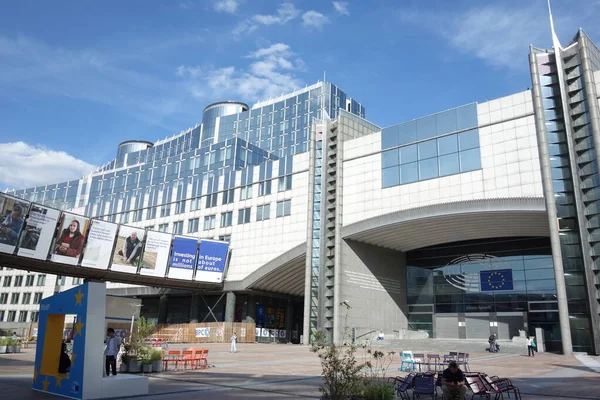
<point>453,382</point>
<point>132,247</point>
<point>65,362</point>
<point>11,227</point>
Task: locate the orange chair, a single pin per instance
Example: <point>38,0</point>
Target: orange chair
<point>173,356</point>
<point>187,356</point>
<point>203,359</point>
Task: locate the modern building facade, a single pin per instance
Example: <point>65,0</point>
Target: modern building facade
<point>476,220</point>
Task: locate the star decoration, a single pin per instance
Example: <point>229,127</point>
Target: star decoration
<point>45,384</point>
<point>35,376</point>
<point>496,284</point>
<point>78,326</point>
<point>78,297</point>
<point>59,379</point>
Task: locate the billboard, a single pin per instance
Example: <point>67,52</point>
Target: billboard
<point>212,257</point>
<point>70,237</point>
<point>156,254</point>
<point>98,249</point>
<point>183,257</point>
<point>12,215</point>
<point>38,232</point>
<point>128,251</point>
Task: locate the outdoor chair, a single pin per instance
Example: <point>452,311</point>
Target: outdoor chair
<point>407,362</point>
<point>433,359</point>
<point>424,385</point>
<point>501,385</point>
<point>462,361</point>
<point>172,357</point>
<point>203,359</point>
<point>403,385</point>
<point>479,385</point>
<point>419,360</point>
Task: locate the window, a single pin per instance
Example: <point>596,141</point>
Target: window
<point>263,212</point>
<point>244,216</point>
<point>163,227</point>
<point>177,227</point>
<point>14,299</point>
<point>11,316</point>
<point>18,280</point>
<point>35,315</point>
<point>41,281</point>
<point>37,298</point>
<point>225,238</point>
<point>246,182</point>
<point>1,315</point>
<point>76,281</point>
<point>284,208</point>
<point>26,298</point>
<point>29,280</point>
<point>23,316</point>
<point>60,280</point>
<point>226,219</point>
<point>209,222</point>
<point>7,281</point>
<point>193,225</point>
<point>3,298</point>
<point>265,174</point>
<point>246,192</point>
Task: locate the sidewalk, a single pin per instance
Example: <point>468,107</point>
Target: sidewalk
<point>275,371</point>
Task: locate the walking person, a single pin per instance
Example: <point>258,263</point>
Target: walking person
<point>232,348</point>
<point>112,349</point>
<point>531,347</point>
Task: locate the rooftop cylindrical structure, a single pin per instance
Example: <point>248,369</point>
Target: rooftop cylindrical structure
<point>214,111</point>
<point>130,146</point>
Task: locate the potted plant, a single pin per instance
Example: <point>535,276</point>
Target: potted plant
<point>124,367</point>
<point>10,345</point>
<point>17,346</point>
<point>156,358</point>
<point>134,365</point>
<point>3,342</point>
<point>146,365</point>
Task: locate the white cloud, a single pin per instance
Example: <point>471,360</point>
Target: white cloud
<point>284,14</point>
<point>23,165</point>
<point>228,6</point>
<point>269,74</point>
<point>341,7</point>
<point>314,19</point>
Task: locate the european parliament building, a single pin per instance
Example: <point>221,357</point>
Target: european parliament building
<point>476,220</point>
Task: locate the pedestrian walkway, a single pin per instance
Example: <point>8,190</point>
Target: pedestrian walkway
<point>276,371</point>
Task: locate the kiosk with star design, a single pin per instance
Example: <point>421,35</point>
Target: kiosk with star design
<point>84,379</point>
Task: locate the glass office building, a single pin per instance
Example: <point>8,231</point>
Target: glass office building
<point>476,220</point>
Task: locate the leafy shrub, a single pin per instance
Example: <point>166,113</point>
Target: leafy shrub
<point>156,355</point>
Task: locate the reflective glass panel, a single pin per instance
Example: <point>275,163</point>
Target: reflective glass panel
<point>390,177</point>
<point>409,173</point>
<point>427,149</point>
<point>448,164</point>
<point>426,127</point>
<point>390,158</point>
<point>447,144</point>
<point>468,140</point>
<point>408,154</point>
<point>445,122</point>
<point>389,137</point>
<point>428,168</point>
<point>407,132</point>
<point>470,160</point>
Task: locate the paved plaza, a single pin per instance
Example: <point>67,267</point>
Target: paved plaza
<point>275,371</point>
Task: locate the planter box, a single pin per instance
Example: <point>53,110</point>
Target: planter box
<point>123,367</point>
<point>2,349</point>
<point>17,349</point>
<point>135,366</point>
<point>157,366</point>
<point>10,349</point>
<point>146,368</point>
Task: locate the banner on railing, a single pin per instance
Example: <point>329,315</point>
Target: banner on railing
<point>99,247</point>
<point>12,218</point>
<point>39,230</point>
<point>70,237</point>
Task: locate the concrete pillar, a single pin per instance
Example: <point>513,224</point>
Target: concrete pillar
<point>539,339</point>
<point>163,308</point>
<point>250,309</point>
<point>194,307</point>
<point>229,307</point>
<point>540,127</point>
<point>289,320</point>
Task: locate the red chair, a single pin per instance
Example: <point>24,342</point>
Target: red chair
<point>172,357</point>
<point>187,357</point>
<point>203,359</point>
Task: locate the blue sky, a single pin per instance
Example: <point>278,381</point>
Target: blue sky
<point>78,77</point>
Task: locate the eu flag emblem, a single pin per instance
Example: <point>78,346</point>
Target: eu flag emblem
<point>500,279</point>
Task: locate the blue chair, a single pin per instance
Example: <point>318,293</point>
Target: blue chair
<point>407,361</point>
<point>424,385</point>
<point>403,385</point>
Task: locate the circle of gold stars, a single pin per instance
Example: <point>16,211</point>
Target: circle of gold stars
<point>496,285</point>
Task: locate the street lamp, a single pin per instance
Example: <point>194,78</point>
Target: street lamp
<point>133,318</point>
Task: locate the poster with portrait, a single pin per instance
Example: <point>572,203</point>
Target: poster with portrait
<point>38,232</point>
<point>12,218</point>
<point>156,254</point>
<point>99,247</point>
<point>127,256</point>
<point>183,257</point>
<point>69,239</point>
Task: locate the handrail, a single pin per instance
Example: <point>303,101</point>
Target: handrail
<point>365,334</point>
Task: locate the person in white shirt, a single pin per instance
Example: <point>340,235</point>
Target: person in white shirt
<point>233,349</point>
<point>112,349</point>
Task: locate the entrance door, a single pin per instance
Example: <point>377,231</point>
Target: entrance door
<point>478,325</point>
